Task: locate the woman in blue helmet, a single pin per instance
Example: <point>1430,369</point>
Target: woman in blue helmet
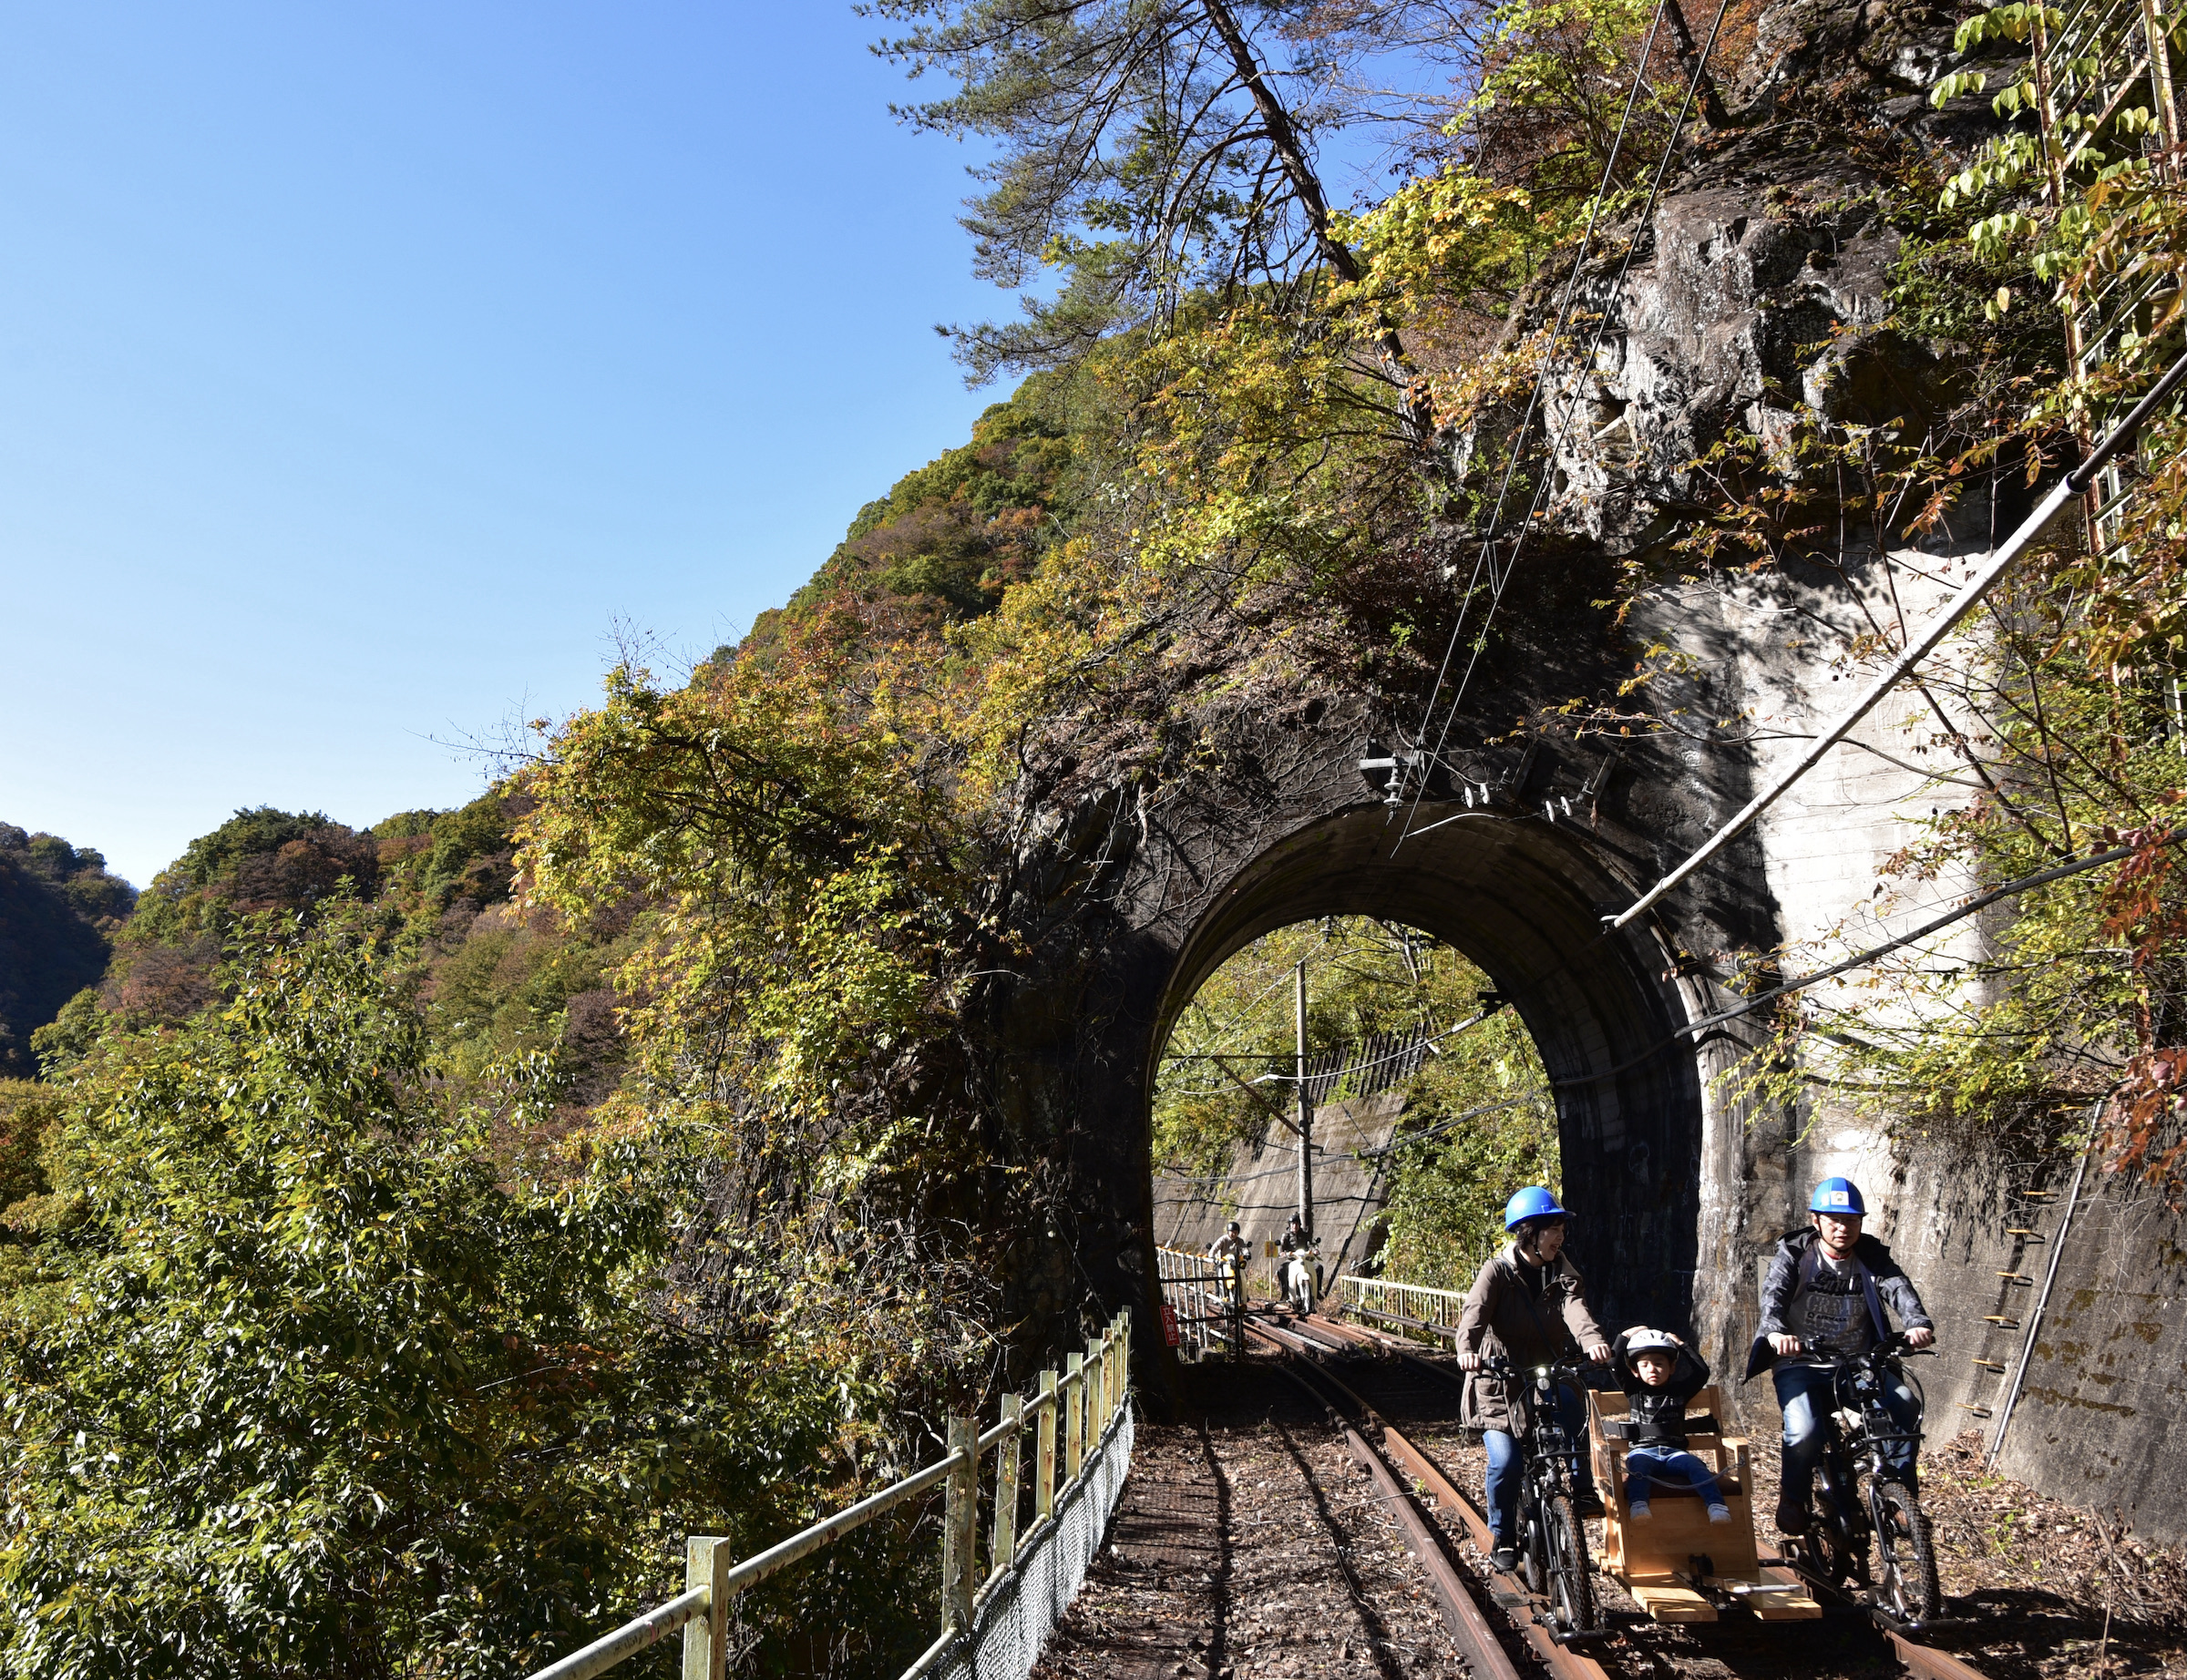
<point>1825,1296</point>
<point>1528,1307</point>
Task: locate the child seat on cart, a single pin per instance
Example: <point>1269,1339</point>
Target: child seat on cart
<point>1678,1566</point>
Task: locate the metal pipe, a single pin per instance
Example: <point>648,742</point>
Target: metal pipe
<point>1970,595</point>
<point>2035,1318</point>
<point>604,1652</point>
<point>754,1569</point>
<point>628,1640</point>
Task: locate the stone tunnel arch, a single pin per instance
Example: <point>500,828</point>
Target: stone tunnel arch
<point>1523,900</point>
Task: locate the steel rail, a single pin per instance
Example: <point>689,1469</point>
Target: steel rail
<point>1513,1600</point>
<point>1476,1641</point>
<point>2067,489</point>
<point>1925,1660</point>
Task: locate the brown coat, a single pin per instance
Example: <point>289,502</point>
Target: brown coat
<point>1502,1319</point>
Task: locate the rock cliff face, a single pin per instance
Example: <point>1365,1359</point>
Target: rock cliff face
<point>1760,280</point>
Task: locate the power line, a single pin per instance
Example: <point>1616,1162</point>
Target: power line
<point>1499,584</point>
<point>1534,397</point>
<point>1746,1006</point>
<point>2070,489</point>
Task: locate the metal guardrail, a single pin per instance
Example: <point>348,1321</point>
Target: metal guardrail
<point>1412,1306</point>
<point>1081,1414</point>
<point>1203,1302</point>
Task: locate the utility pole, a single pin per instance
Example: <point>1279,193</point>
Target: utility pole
<point>1306,1106</point>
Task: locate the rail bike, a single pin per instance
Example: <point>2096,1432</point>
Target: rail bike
<point>1674,1564</point>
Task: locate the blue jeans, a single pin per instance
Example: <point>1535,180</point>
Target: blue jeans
<point>1507,1466</point>
<point>1800,1391</point>
<point>1646,1467</point>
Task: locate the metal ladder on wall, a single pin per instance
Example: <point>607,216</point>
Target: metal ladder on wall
<point>2040,1224</point>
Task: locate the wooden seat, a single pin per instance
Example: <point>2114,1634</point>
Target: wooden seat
<point>1654,1558</point>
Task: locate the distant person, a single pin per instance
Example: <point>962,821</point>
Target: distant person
<point>1659,1373</point>
<point>1823,1301</point>
<point>1297,1284</point>
<point>1232,1251</point>
<point>1529,1307</point>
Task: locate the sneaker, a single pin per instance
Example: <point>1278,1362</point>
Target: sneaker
<point>1719,1513</point>
<point>1505,1558</point>
<point>1791,1514</point>
<point>1587,1504</point>
<point>1639,1509</point>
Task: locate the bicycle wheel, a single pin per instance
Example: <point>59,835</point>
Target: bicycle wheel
<point>1832,1544</point>
<point>1906,1555</point>
<point>1571,1588</point>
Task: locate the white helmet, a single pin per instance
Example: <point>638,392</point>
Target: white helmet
<point>1641,1340</point>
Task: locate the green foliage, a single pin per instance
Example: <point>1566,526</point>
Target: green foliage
<point>1458,1166</point>
<point>950,537</point>
<point>1478,1120</point>
<point>259,859</point>
<point>26,1110</point>
<point>329,1387</point>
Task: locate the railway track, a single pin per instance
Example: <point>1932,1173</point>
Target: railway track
<point>1357,1375</point>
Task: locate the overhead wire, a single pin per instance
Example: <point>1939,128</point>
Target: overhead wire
<point>1498,583</point>
<point>1482,554</point>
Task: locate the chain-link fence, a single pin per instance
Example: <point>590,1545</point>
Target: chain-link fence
<point>1021,1604</point>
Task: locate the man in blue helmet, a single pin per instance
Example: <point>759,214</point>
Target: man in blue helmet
<point>1527,1305</point>
<point>1826,1295</point>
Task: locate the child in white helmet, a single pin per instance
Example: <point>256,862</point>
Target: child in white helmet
<point>1659,1373</point>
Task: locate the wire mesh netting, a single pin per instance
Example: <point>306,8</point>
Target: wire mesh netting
<point>1019,1606</point>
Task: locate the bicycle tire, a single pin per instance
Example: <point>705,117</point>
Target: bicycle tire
<point>1533,1550</point>
<point>1906,1555</point>
<point>1831,1543</point>
<point>1572,1589</point>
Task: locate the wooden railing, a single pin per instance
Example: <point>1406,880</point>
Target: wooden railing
<point>1073,1415</point>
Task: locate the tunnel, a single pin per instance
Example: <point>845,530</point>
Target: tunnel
<point>1523,900</point>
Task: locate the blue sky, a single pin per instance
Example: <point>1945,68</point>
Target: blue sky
<point>362,368</point>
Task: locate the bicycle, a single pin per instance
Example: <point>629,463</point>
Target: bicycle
<point>1553,1544</point>
<point>1864,1498</point>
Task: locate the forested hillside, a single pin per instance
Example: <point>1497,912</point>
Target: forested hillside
<point>419,1229</point>
<point>59,911</point>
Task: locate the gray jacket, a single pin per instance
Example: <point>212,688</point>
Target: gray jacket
<point>1878,1277</point>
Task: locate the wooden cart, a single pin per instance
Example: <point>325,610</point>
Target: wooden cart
<point>1678,1566</point>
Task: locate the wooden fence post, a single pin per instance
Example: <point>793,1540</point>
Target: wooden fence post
<point>1074,1417</point>
<point>1004,1546</point>
<point>706,1560</point>
<point>1044,1470</point>
<point>960,1527</point>
<point>1095,1361</point>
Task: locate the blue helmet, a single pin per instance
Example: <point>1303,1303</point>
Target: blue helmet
<point>1532,1203</point>
<point>1837,1196</point>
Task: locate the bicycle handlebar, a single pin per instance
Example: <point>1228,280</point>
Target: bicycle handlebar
<point>1505,1367</point>
<point>1892,1346</point>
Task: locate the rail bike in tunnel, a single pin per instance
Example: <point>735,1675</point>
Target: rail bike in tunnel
<point>1524,904</point>
<point>1523,901</point>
